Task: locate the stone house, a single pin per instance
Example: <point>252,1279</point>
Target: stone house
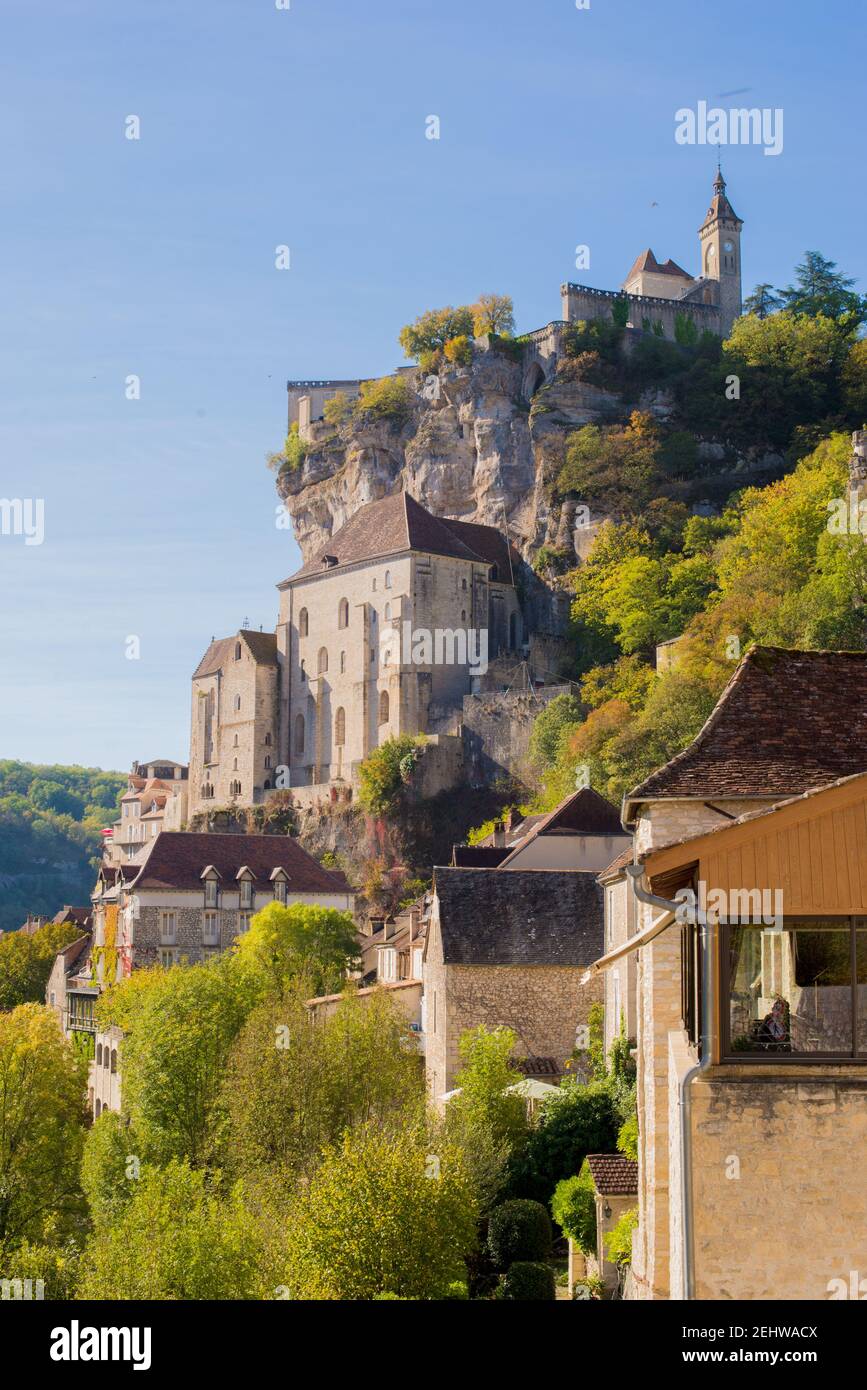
<point>615,1191</point>
<point>155,800</point>
<point>195,893</point>
<point>509,949</point>
<point>67,964</point>
<point>234,722</point>
<point>748,895</point>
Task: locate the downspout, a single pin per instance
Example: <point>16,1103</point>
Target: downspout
<point>696,917</point>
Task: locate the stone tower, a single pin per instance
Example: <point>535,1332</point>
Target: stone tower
<point>720,239</point>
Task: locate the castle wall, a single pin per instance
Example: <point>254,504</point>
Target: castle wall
<point>584,302</point>
<point>496,729</point>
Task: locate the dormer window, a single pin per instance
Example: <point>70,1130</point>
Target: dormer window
<point>278,878</point>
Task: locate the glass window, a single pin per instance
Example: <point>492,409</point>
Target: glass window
<point>211,929</point>
<point>798,992</point>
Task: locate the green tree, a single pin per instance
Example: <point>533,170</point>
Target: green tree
<point>578,1120</point>
<point>763,301</point>
<point>821,290</point>
<point>42,1097</point>
<point>432,330</point>
<point>176,1238</point>
<point>383,1214</point>
<point>312,1083</point>
<point>182,1025</point>
<point>109,1167</point>
<point>486,1121</point>
<point>389,398</point>
<point>318,943</point>
<point>574,1209</point>
<point>386,770</point>
<point>558,718</point>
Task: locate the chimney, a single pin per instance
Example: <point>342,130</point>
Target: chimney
<point>499,835</point>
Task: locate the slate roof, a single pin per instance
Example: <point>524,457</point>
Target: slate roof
<point>786,722</point>
<point>71,954</point>
<point>178,858</point>
<point>76,916</point>
<point>614,1175</point>
<point>489,543</point>
<point>617,866</point>
<point>398,523</point>
<point>525,917</point>
<point>261,645</point>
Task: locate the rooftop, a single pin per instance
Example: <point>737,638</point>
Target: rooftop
<point>787,721</point>
<point>525,917</point>
<point>396,524</point>
<point>262,646</point>
<point>614,1175</point>
<point>178,859</point>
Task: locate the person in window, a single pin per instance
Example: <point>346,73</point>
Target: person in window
<point>771,1034</point>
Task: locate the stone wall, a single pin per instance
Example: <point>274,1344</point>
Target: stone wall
<point>496,732</point>
<point>585,302</point>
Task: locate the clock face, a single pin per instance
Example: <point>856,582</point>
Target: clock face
<point>728,246</point>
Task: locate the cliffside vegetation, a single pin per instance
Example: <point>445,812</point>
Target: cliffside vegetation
<point>50,842</point>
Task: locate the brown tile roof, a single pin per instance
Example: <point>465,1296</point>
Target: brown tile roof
<point>647,261</point>
<point>77,916</point>
<point>397,524</point>
<point>262,647</point>
<point>786,722</point>
<point>524,917</point>
<point>537,1066</point>
<point>489,543</point>
<point>614,1175</point>
<point>178,859</point>
<point>72,954</point>
<point>585,812</point>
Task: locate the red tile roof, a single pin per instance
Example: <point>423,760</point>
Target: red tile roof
<point>614,1175</point>
<point>179,857</point>
<point>397,524</point>
<point>786,722</point>
<point>648,262</point>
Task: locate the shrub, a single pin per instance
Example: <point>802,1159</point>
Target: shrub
<point>529,1281</point>
<point>618,1242</point>
<point>577,1121</point>
<point>295,451</point>
<point>519,1230</point>
<point>385,770</point>
<point>574,1209</point>
<point>431,331</point>
<point>337,409</point>
<point>459,350</point>
<point>627,1139</point>
<point>685,330</point>
<point>389,398</point>
<point>620,311</point>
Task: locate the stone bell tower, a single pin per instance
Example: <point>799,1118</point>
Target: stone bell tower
<point>720,241</point>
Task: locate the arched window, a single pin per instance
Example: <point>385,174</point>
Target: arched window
<point>234,764</point>
<point>343,613</point>
<point>237,702</point>
<point>303,672</point>
<point>322,660</point>
<point>340,727</point>
<point>388,579</point>
<point>234,788</point>
<point>237,651</point>
<point>235,741</point>
<point>267,760</point>
<point>98,1108</point>
<point>388,610</point>
<point>463,615</point>
<point>99,1054</point>
<point>303,624</point>
<point>114,1061</point>
<point>267,740</point>
<point>383,707</point>
<point>299,735</point>
<point>463,584</point>
<point>343,663</point>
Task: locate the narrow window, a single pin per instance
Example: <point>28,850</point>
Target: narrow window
<point>383,707</point>
<point>303,623</point>
<point>343,613</point>
<point>388,579</point>
<point>340,727</point>
<point>322,662</point>
<point>299,735</point>
<point>237,651</point>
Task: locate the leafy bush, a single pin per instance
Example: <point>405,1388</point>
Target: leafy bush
<point>529,1281</point>
<point>295,451</point>
<point>459,350</point>
<point>337,409</point>
<point>519,1230</point>
<point>430,332</point>
<point>618,1242</point>
<point>385,770</point>
<point>620,311</point>
<point>389,398</point>
<point>627,1138</point>
<point>574,1209</point>
<point>577,1121</point>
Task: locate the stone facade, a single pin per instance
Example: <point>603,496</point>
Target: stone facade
<point>543,1004</point>
<point>234,724</point>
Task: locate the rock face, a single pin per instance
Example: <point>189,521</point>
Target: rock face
<point>477,451</point>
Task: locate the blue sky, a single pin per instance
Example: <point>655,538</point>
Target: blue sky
<point>306,127</point>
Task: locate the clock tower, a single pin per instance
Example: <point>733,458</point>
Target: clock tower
<point>720,240</point>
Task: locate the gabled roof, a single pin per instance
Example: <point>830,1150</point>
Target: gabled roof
<point>646,261</point>
<point>526,917</point>
<point>262,646</point>
<point>77,916</point>
<point>178,859</point>
<point>614,1175</point>
<point>786,722</point>
<point>585,812</point>
<point>71,955</point>
<point>397,524</point>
